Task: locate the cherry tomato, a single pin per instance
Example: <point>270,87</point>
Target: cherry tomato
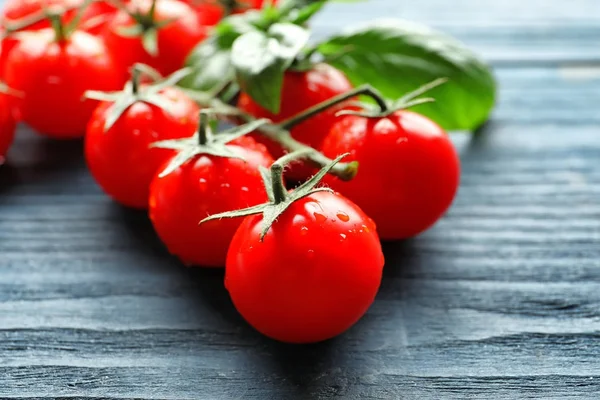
<point>18,11</point>
<point>175,40</point>
<point>54,75</point>
<point>302,90</point>
<point>315,274</point>
<point>15,11</point>
<point>7,125</point>
<point>409,170</point>
<point>204,186</point>
<point>120,159</point>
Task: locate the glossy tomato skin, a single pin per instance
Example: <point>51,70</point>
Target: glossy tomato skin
<point>53,76</point>
<point>409,170</point>
<point>175,40</point>
<point>7,125</point>
<point>302,90</point>
<point>121,160</point>
<point>205,186</point>
<point>315,274</point>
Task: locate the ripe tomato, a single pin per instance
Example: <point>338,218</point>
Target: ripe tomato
<point>207,185</point>
<point>302,90</point>
<point>315,274</point>
<point>7,125</point>
<point>409,170</point>
<point>120,158</point>
<point>17,11</point>
<point>174,40</point>
<point>54,74</point>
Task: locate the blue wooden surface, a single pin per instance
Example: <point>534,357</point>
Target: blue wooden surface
<point>501,300</point>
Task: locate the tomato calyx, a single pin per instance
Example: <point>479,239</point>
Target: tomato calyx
<point>279,198</point>
<point>386,108</point>
<point>145,27</point>
<point>133,92</point>
<point>204,141</point>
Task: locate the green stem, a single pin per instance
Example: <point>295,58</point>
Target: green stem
<point>365,90</point>
<point>279,191</point>
<point>203,129</point>
<point>135,80</point>
<point>57,25</point>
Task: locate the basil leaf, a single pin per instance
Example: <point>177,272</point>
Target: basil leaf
<point>396,57</point>
<point>301,15</point>
<point>261,58</point>
<point>211,66</point>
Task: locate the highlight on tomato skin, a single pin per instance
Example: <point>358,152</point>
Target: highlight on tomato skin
<point>53,74</point>
<point>409,170</point>
<point>120,159</point>
<point>302,90</point>
<point>313,277</point>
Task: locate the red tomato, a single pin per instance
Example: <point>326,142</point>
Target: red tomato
<point>120,159</point>
<point>409,170</point>
<point>302,90</point>
<point>7,126</point>
<point>18,10</point>
<point>54,75</point>
<point>204,186</point>
<point>315,274</point>
<point>175,40</point>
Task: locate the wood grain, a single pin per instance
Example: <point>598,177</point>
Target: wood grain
<point>500,300</point>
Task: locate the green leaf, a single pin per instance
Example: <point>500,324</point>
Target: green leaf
<point>395,56</point>
<point>260,60</point>
<point>304,12</point>
<point>211,66</point>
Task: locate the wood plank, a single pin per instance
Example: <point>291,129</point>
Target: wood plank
<point>500,300</point>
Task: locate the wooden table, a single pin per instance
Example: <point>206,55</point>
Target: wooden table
<point>501,300</point>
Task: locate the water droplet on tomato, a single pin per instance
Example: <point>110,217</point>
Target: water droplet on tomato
<point>225,185</point>
<point>311,253</point>
<point>320,217</point>
<point>201,180</point>
<point>304,230</point>
<point>366,228</point>
<point>245,189</point>
<point>342,216</point>
<point>343,236</point>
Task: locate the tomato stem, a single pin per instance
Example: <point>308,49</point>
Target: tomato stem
<point>57,25</point>
<point>202,129</point>
<point>365,90</point>
<point>135,79</point>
